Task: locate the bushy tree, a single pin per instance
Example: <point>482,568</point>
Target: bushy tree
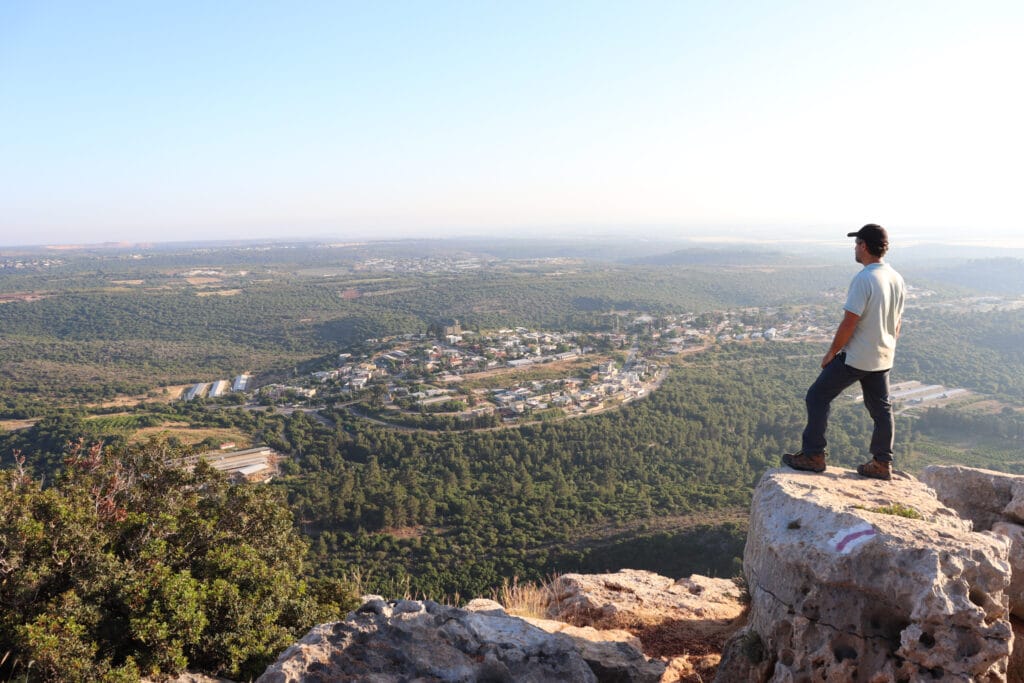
<point>127,565</point>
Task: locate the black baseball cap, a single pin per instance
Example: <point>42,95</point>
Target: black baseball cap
<point>872,234</point>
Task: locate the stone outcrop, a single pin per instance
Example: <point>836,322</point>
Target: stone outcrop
<point>1015,591</point>
<point>408,640</point>
<point>685,621</point>
<point>982,496</point>
<point>637,595</point>
<point>846,586</point>
<point>993,501</point>
<point>849,579</point>
<point>614,655</point>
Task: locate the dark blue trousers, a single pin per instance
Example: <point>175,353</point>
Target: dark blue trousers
<point>833,380</point>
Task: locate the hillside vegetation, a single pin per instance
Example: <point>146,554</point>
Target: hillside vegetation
<point>117,566</point>
<point>124,566</point>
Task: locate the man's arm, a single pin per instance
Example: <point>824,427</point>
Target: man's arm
<point>843,335</point>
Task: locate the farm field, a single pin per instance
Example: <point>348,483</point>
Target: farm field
<point>191,436</point>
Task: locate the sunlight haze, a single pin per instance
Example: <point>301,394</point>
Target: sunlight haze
<point>126,121</point>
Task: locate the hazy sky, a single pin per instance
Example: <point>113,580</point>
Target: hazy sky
<point>152,121</point>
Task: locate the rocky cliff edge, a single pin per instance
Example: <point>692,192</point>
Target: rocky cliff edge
<point>854,579</point>
<point>849,579</point>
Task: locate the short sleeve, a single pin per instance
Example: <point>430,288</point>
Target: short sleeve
<point>857,297</point>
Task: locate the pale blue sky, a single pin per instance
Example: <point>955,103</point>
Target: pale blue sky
<point>152,121</point>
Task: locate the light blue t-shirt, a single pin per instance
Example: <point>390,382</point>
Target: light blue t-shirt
<point>876,295</point>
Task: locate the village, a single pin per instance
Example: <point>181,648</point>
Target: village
<point>451,376</point>
<point>483,380</point>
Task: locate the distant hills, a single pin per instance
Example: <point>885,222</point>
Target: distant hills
<point>702,256</point>
<point>986,276</point>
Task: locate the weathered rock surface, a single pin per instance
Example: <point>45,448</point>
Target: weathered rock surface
<point>612,654</point>
<point>691,669</point>
<point>406,640</point>
<point>1015,591</point>
<point>633,595</point>
<point>685,621</point>
<point>982,496</point>
<point>1015,669</point>
<point>1015,508</point>
<point>841,591</point>
<point>994,501</point>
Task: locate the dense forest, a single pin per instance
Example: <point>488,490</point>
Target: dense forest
<point>982,351</point>
<point>496,503</point>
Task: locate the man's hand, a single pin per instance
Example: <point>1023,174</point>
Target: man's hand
<point>843,334</point>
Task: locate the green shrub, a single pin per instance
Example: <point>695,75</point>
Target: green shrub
<point>127,567</point>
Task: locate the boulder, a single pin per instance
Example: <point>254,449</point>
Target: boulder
<point>1014,532</point>
<point>684,621</point>
<point>406,640</point>
<point>1014,510</point>
<point>614,655</point>
<point>982,496</point>
<point>633,596</point>
<point>994,501</point>
<point>854,579</point>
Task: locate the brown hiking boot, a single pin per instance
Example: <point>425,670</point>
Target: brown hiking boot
<point>876,469</point>
<point>815,462</point>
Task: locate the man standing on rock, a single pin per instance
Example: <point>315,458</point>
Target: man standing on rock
<point>861,351</point>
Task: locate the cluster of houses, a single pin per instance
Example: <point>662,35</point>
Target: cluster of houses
<point>574,394</point>
<point>401,363</point>
<point>751,324</point>
<point>426,265</point>
<point>448,354</point>
<point>30,264</point>
<point>463,354</point>
<point>424,356</point>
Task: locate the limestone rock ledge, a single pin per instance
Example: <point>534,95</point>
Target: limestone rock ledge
<point>409,640</point>
<point>614,655</point>
<point>685,622</point>
<point>844,588</point>
<point>982,496</point>
<point>993,501</point>
<point>635,594</point>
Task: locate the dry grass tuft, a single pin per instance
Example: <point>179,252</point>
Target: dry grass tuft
<point>525,599</point>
